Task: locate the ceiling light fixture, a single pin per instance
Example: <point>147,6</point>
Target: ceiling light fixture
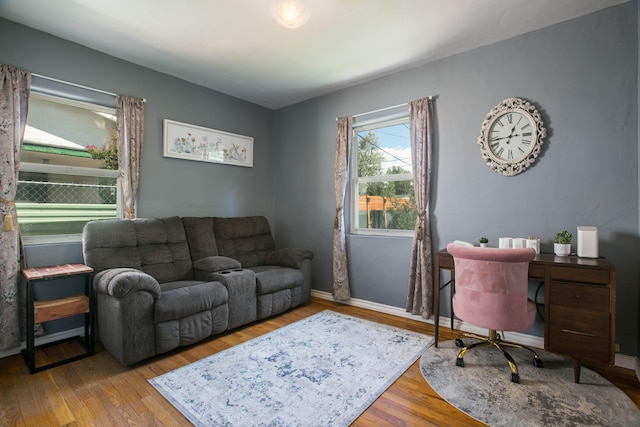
<point>290,13</point>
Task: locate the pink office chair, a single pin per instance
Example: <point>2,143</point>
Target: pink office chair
<point>491,292</point>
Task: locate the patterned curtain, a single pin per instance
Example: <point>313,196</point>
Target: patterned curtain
<point>130,118</point>
<point>341,291</point>
<point>14,99</point>
<point>420,295</point>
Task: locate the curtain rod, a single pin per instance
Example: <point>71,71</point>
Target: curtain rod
<point>382,109</point>
<point>104,92</point>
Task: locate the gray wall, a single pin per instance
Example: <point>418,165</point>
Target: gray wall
<point>582,75</point>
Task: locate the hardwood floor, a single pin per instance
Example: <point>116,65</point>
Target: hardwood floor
<point>97,391</point>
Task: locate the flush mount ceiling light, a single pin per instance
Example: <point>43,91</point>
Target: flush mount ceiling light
<point>290,13</point>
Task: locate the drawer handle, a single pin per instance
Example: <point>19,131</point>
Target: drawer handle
<point>585,334</point>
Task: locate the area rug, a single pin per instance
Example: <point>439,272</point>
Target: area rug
<point>545,396</point>
<point>324,370</point>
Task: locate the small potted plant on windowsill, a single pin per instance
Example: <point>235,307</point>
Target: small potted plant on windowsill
<point>562,243</point>
<point>483,242</point>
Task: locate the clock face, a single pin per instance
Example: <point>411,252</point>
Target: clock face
<point>511,136</point>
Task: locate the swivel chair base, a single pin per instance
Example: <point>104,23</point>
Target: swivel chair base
<point>496,341</point>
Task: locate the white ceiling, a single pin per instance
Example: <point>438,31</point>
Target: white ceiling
<point>235,47</point>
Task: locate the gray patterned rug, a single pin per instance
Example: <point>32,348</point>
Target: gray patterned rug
<point>545,397</point>
<point>324,370</point>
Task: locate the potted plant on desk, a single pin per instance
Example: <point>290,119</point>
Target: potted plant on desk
<point>483,242</point>
<point>562,243</point>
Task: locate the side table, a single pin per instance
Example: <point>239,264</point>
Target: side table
<point>44,311</point>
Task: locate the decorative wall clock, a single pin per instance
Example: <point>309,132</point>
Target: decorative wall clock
<point>511,136</point>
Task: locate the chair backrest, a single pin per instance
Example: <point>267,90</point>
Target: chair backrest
<point>491,286</point>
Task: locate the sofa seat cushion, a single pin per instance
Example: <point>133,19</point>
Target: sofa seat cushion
<point>271,279</point>
<point>178,284</point>
<point>184,301</point>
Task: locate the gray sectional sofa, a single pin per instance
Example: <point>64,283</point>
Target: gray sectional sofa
<point>162,283</point>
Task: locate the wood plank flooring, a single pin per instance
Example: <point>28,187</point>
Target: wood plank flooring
<point>98,391</point>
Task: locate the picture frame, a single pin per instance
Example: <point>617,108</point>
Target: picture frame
<point>192,142</point>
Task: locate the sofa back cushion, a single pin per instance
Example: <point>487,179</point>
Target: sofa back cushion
<point>157,246</point>
<point>246,239</point>
<point>202,241</point>
<point>110,243</point>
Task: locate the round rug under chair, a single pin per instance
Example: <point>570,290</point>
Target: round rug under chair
<point>546,396</point>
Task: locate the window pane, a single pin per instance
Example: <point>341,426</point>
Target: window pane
<point>59,184</point>
<point>385,196</point>
<point>58,133</point>
<point>386,205</point>
<point>384,150</point>
<point>52,204</point>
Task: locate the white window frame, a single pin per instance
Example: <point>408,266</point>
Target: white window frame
<point>356,181</point>
<point>70,170</point>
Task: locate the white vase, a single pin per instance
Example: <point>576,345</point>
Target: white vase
<point>562,249</point>
<point>483,245</point>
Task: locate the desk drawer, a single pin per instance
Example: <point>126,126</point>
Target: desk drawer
<point>580,333</point>
<point>579,296</point>
<point>583,275</point>
<point>446,262</point>
<point>536,271</point>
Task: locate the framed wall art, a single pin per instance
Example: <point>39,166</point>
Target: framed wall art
<point>191,142</point>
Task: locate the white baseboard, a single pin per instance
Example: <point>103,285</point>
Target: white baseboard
<point>46,339</point>
<point>622,360</point>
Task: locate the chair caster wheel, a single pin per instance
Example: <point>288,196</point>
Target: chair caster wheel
<point>538,363</point>
<point>460,362</point>
<point>459,343</point>
<point>515,378</point>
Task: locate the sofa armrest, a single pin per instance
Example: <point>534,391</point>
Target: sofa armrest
<point>204,267</point>
<point>288,257</point>
<point>126,299</point>
<point>119,282</point>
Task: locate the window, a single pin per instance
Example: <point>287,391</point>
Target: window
<point>383,200</point>
<point>61,185</point>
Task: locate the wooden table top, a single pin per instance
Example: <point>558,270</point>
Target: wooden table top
<point>52,271</point>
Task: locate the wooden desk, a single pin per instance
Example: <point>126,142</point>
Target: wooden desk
<point>44,311</point>
<point>580,306</point>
